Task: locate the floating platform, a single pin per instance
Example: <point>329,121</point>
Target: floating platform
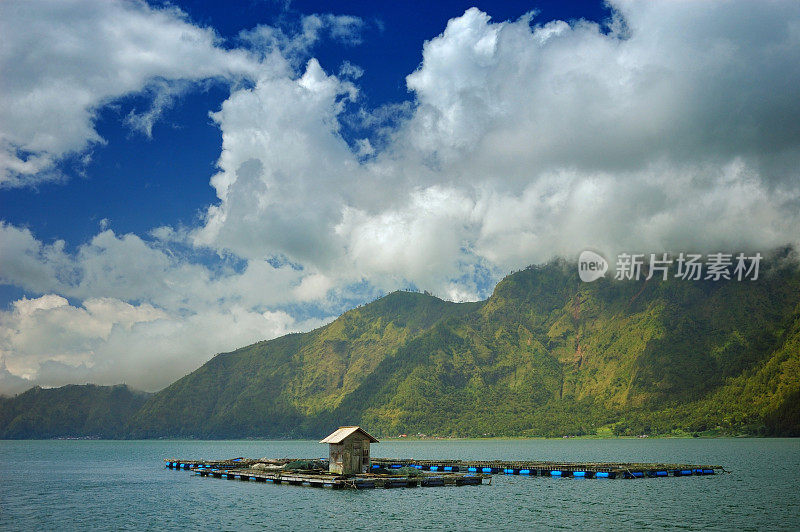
<point>242,469</point>
<point>366,481</point>
<point>472,468</point>
<point>231,463</point>
<point>553,469</point>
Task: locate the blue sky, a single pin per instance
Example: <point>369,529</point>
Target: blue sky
<point>180,179</point>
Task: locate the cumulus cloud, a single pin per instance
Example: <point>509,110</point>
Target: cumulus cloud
<point>527,141</point>
<point>671,128</point>
<point>46,340</point>
<point>147,317</point>
<point>63,60</point>
<point>676,81</point>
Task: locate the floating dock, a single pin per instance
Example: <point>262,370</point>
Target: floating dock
<point>366,481</point>
<point>435,469</point>
<point>553,469</point>
<point>241,469</point>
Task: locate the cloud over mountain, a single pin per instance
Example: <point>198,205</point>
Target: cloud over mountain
<point>673,127</point>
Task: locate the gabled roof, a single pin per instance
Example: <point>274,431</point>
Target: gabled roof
<point>340,434</point>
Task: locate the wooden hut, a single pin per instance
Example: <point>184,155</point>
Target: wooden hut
<point>349,450</point>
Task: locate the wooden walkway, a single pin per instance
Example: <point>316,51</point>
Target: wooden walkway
<point>367,481</point>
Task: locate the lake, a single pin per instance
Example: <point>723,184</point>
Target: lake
<point>124,485</point>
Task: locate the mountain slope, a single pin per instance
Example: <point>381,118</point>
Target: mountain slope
<point>275,387</point>
<point>69,411</point>
<point>544,355</point>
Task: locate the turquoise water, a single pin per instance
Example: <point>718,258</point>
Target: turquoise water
<point>124,485</point>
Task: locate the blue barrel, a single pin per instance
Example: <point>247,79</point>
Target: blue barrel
<point>434,468</point>
<point>524,471</point>
<point>508,471</point>
<point>450,468</point>
<point>555,473</point>
<point>472,469</point>
<point>486,470</point>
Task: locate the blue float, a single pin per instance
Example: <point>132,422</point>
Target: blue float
<point>434,468</point>
<point>448,468</point>
<point>486,470</point>
<point>579,474</point>
<point>555,473</point>
<point>524,471</point>
<point>602,474</point>
<point>471,469</point>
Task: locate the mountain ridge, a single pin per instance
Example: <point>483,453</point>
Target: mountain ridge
<point>544,355</point>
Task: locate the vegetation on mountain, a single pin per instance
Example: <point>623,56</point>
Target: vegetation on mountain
<point>69,411</point>
<point>545,355</point>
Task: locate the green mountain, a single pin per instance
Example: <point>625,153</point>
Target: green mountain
<point>544,355</point>
<point>69,411</point>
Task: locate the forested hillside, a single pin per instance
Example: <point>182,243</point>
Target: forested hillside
<point>70,411</point>
<point>545,355</point>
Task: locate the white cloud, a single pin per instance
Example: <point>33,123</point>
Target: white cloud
<point>48,328</point>
<point>686,82</point>
<point>526,142</point>
<point>295,44</point>
<point>147,316</point>
<point>48,341</point>
<point>284,170</point>
<point>61,60</point>
<point>674,129</point>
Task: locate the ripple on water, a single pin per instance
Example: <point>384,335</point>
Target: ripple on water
<point>123,485</point>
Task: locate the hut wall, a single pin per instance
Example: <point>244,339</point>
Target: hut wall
<point>349,457</point>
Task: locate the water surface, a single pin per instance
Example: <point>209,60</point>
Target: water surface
<point>124,485</point>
